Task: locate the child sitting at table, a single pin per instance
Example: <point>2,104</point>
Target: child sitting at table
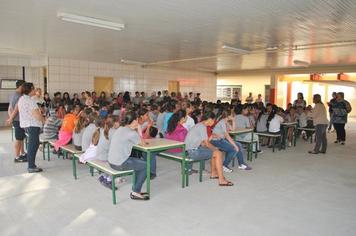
<point>274,121</point>
<point>122,142</point>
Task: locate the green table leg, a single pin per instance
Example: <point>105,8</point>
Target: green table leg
<point>74,165</point>
<point>185,175</point>
<point>201,166</point>
<point>113,187</point>
<point>148,173</point>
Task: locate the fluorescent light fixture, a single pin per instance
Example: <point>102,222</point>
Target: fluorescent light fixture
<point>235,50</point>
<point>85,20</point>
<point>301,63</point>
<point>130,62</point>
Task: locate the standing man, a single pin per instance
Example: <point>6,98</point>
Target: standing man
<point>331,104</point>
<point>20,155</point>
<point>340,112</point>
<point>249,99</point>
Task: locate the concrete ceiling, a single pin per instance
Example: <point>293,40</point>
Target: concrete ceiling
<point>187,34</point>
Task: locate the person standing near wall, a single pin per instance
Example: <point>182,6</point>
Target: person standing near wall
<point>15,121</point>
<point>340,111</point>
<point>320,122</point>
<point>249,99</point>
<point>331,104</point>
<point>32,121</point>
<point>300,102</point>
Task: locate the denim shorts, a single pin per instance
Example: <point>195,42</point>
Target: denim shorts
<point>201,153</point>
<point>19,132</point>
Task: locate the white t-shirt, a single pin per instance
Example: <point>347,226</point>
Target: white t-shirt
<point>275,124</point>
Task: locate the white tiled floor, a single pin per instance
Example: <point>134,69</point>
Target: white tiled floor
<point>287,193</point>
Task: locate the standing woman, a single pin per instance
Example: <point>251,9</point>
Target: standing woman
<point>300,102</point>
<point>321,124</point>
<point>31,120</point>
<point>340,110</point>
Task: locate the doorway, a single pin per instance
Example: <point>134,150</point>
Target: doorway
<point>173,86</point>
<point>103,84</point>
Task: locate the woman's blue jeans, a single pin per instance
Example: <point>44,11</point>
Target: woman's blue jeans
<point>225,146</point>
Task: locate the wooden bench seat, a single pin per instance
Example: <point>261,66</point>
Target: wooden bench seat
<point>184,164</point>
<point>104,167</point>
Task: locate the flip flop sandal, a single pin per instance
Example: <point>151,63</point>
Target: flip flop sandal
<point>227,184</point>
<point>144,198</point>
<point>214,177</point>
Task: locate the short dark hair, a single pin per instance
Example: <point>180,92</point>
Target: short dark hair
<point>19,83</point>
<point>27,88</point>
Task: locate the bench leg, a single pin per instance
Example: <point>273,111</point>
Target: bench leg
<point>274,144</point>
<point>113,187</point>
<point>233,162</point>
<point>91,169</point>
<point>201,166</point>
<point>48,151</point>
<point>74,166</point>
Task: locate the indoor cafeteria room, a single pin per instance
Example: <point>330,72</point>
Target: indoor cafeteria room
<point>179,117</point>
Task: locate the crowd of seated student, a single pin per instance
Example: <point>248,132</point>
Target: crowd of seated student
<point>107,127</point>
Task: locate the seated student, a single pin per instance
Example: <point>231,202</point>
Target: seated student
<point>291,117</point>
<point>60,112</point>
<point>176,129</point>
<point>66,131</point>
<point>106,131</point>
<point>222,140</point>
<point>170,107</point>
<point>199,148</point>
<point>89,130</point>
<point>242,121</point>
<point>261,125</point>
<point>122,141</point>
<point>153,112</point>
<point>274,121</point>
<point>78,131</point>
<point>103,112</point>
<point>144,125</point>
<point>51,126</point>
<point>190,121</point>
<point>160,119</point>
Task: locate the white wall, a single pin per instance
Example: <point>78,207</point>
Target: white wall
<point>76,76</point>
<point>250,83</point>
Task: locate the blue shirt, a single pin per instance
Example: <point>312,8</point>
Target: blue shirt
<point>167,117</point>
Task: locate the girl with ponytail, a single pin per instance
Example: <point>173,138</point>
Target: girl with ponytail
<point>222,140</point>
<point>120,148</point>
<point>176,130</point>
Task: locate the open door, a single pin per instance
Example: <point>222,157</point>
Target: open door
<point>103,84</point>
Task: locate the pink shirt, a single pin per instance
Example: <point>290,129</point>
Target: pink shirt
<point>178,134</point>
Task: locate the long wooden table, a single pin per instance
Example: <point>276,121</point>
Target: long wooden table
<point>158,145</point>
